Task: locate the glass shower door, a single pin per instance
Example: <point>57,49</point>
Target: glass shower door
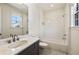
<point>0,28</point>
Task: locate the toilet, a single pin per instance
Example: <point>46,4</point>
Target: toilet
<point>43,44</point>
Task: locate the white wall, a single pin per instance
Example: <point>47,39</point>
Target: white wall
<point>74,40</point>
<point>7,11</point>
<point>33,20</point>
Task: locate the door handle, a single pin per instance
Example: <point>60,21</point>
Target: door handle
<point>64,38</point>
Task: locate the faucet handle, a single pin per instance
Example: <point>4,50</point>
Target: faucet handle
<point>8,41</point>
<point>11,35</point>
<point>17,37</point>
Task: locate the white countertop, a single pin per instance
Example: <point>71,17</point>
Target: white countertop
<point>7,49</point>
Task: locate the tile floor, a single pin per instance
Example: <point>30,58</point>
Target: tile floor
<point>49,51</point>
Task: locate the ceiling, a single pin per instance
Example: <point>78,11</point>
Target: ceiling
<point>21,7</point>
<point>43,6</point>
<point>47,6</point>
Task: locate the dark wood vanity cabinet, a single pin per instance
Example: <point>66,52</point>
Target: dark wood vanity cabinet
<point>31,50</point>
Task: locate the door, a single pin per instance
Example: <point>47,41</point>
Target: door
<point>54,27</point>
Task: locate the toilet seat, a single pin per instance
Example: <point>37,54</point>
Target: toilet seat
<point>43,44</point>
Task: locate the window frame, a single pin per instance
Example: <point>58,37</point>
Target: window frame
<point>20,21</point>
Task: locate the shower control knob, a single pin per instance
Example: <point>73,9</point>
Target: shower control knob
<point>64,38</point>
<point>0,34</point>
<point>64,34</point>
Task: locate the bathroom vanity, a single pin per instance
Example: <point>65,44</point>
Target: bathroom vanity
<point>26,46</point>
<point>31,50</point>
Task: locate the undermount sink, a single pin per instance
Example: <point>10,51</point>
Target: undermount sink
<point>17,44</point>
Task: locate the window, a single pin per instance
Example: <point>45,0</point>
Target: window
<point>77,15</point>
<point>16,21</point>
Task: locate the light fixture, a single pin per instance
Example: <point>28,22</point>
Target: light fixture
<point>51,5</point>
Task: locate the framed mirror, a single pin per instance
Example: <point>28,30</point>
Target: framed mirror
<point>13,19</point>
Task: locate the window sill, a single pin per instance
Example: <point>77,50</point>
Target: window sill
<point>74,26</point>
